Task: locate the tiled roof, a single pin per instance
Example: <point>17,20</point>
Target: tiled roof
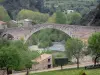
<point>42,57</point>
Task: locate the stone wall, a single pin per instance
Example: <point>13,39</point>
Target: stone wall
<point>3,72</point>
<point>43,64</point>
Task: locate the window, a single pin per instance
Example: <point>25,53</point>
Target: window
<point>49,66</point>
<point>48,60</point>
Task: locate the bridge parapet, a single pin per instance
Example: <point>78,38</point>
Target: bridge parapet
<point>72,30</point>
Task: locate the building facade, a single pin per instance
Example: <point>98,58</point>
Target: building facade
<point>44,61</point>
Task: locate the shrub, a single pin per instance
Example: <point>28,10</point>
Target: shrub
<point>82,73</point>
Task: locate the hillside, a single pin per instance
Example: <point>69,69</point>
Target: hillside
<point>14,6</point>
<point>92,18</point>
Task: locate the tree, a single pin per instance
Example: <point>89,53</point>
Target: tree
<point>27,61</point>
<point>24,53</point>
<point>74,49</point>
<point>52,19</point>
<point>14,55</point>
<point>4,15</point>
<point>37,17</point>
<point>94,45</point>
<point>26,56</point>
<point>60,18</point>
<point>73,18</point>
<point>45,44</point>
<point>9,56</point>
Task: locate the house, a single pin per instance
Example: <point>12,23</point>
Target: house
<point>3,25</point>
<point>44,61</point>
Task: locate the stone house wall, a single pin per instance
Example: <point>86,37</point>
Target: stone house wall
<point>45,64</point>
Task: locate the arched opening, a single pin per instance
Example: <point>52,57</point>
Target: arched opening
<point>48,38</point>
<point>8,36</point>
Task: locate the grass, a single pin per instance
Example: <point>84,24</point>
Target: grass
<point>70,72</point>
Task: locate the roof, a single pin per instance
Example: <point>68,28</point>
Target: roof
<point>1,22</point>
<point>42,57</point>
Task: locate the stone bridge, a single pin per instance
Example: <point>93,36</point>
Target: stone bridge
<point>77,31</point>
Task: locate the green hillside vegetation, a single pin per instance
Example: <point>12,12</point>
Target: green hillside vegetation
<point>48,6</point>
<point>37,17</point>
<point>44,38</point>
<point>62,18</point>
<point>3,14</point>
<point>81,6</point>
<point>1,0</point>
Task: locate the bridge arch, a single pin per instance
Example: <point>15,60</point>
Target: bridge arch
<point>62,28</point>
<point>77,31</point>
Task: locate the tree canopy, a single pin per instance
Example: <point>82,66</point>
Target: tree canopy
<point>14,55</point>
<point>73,18</point>
<point>94,45</point>
<point>60,18</point>
<point>37,17</point>
<point>9,56</point>
<point>3,14</point>
<point>74,49</point>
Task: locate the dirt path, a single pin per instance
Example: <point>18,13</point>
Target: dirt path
<point>57,68</point>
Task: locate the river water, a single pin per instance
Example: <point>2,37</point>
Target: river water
<point>57,46</point>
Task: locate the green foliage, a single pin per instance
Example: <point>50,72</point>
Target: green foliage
<point>4,42</point>
<point>8,53</point>
<point>4,15</point>
<point>37,17</point>
<point>73,18</point>
<point>33,54</point>
<point>24,54</point>
<point>74,49</point>
<point>52,19</point>
<point>94,46</point>
<point>44,38</point>
<point>94,43</point>
<point>60,18</point>
<point>33,40</point>
<point>7,57</point>
<point>14,55</point>
<point>81,6</point>
<point>45,44</point>
<point>1,1</point>
<point>47,52</point>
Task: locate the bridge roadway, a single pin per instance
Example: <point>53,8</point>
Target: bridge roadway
<point>77,31</point>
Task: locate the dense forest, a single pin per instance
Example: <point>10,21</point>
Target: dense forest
<point>14,6</point>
